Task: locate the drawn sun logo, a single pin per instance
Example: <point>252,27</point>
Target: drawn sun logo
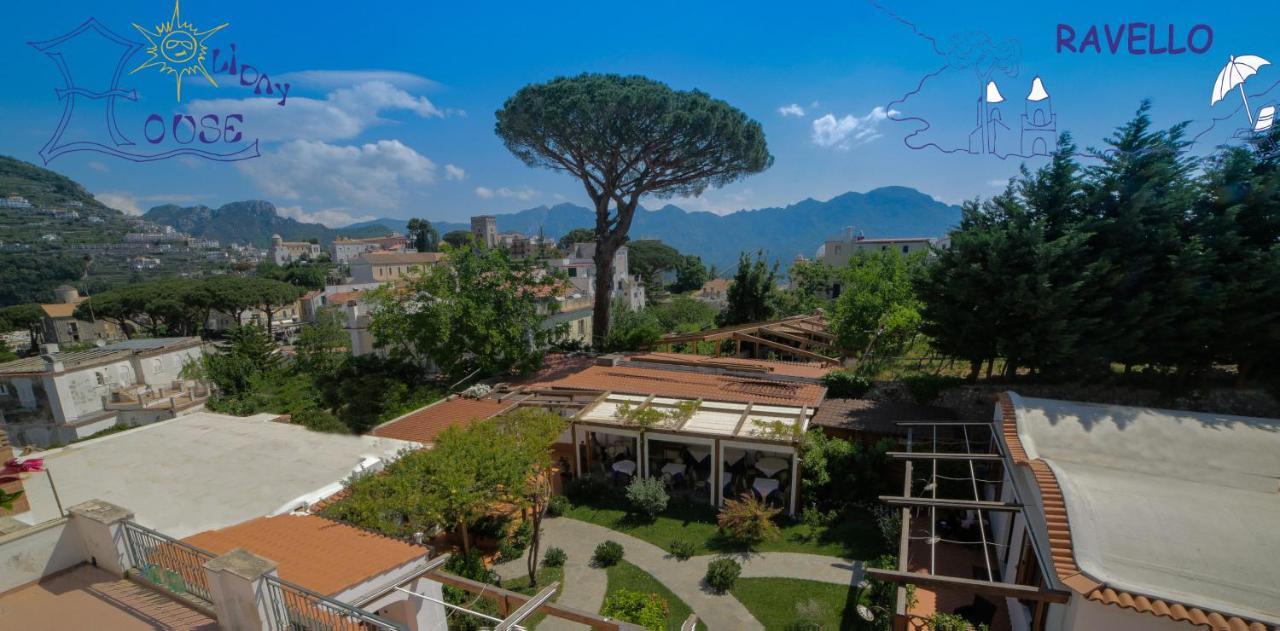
<point>177,48</point>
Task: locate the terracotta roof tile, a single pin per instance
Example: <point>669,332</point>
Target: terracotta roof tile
<point>691,385</point>
<point>1063,555</point>
<point>424,424</point>
<point>806,370</point>
<point>322,555</point>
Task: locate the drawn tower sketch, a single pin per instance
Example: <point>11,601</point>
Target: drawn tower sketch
<point>985,137</point>
<point>1039,123</point>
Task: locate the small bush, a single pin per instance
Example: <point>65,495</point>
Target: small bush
<point>940,621</point>
<point>748,520</point>
<point>555,557</point>
<point>843,384</point>
<point>509,552</point>
<point>318,420</point>
<point>926,388</point>
<point>522,536</point>
<point>470,566</point>
<point>558,505</point>
<point>586,489</point>
<point>648,496</point>
<point>815,521</point>
<point>722,573</point>
<point>647,610</point>
<point>607,554</point>
<point>682,549</point>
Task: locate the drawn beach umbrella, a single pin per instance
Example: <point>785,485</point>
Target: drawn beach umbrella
<point>1233,76</point>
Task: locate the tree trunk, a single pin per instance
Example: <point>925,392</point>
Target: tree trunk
<point>466,537</point>
<point>974,368</point>
<point>604,290</point>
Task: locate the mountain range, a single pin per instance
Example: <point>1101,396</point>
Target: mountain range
<point>782,233</point>
<point>252,221</point>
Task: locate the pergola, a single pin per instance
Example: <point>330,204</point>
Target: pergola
<point>801,336</point>
<point>974,447</point>
<point>715,427</point>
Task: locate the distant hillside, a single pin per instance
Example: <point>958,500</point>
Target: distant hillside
<point>252,221</point>
<point>892,211</point>
<point>42,187</point>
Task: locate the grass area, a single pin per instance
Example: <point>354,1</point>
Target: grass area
<point>854,536</point>
<point>773,602</point>
<point>546,576</point>
<point>624,575</point>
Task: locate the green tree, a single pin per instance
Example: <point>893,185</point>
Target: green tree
<point>649,258</point>
<point>476,312</point>
<point>231,295</point>
<point>683,314</point>
<point>577,235</point>
<point>625,138</point>
<point>690,274</point>
<point>28,316</point>
<point>271,296</point>
<point>458,238</point>
<point>323,345</point>
<point>423,235</point>
<point>810,284</point>
<point>877,313</point>
<point>633,329</point>
<point>751,297</point>
<point>313,274</point>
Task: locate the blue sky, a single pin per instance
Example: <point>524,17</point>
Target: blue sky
<point>390,109</point>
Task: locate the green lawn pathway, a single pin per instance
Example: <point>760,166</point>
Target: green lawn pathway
<point>585,585</point>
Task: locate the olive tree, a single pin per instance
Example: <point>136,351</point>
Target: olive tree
<point>624,138</point>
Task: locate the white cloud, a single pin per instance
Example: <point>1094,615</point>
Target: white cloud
<point>719,202</point>
<point>98,166</point>
<point>524,193</point>
<point>372,175</point>
<point>792,110</point>
<point>454,172</point>
<point>849,131</point>
<point>342,78</point>
<point>998,183</point>
<point>342,114</point>
<point>123,202</point>
<point>332,217</point>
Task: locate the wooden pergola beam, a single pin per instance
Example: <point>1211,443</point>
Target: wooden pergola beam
<point>986,588</point>
<point>742,420</point>
<point>790,337</point>
<point>783,347</point>
<point>943,424</point>
<point>1007,507</point>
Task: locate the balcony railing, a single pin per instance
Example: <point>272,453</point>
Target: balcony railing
<point>296,608</point>
<point>167,562</point>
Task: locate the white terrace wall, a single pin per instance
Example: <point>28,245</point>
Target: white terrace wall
<point>28,555</point>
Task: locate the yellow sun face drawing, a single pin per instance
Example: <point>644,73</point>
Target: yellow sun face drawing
<point>177,48</point>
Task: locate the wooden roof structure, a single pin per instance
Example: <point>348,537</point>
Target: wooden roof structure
<point>803,336</point>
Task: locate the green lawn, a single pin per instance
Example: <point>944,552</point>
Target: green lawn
<point>624,575</point>
<point>773,602</point>
<point>854,536</point>
<point>546,576</point>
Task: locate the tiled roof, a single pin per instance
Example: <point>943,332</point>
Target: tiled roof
<point>60,310</point>
<point>343,297</point>
<point>399,258</point>
<point>807,370</point>
<point>1063,554</point>
<point>424,424</point>
<point>877,417</point>
<point>322,555</point>
<point>691,385</point>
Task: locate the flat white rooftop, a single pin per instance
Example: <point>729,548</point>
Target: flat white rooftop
<point>1178,505</point>
<point>202,471</point>
<point>712,418</point>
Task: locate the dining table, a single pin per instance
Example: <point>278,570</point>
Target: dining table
<point>771,466</point>
<point>764,486</point>
<point>673,468</point>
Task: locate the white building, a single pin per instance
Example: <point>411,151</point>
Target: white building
<point>285,252</point>
<point>837,252</point>
<point>14,201</point>
<point>580,267</point>
<point>62,396</point>
<point>385,267</point>
<point>344,250</point>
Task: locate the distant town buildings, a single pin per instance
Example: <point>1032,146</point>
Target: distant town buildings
<point>580,266</point>
<point>344,250</point>
<point>62,327</point>
<point>60,396</point>
<point>837,252</point>
<point>383,267</point>
<point>285,252</point>
<point>714,292</point>
<point>14,201</point>
<point>164,234</point>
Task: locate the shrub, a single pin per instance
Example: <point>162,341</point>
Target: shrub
<point>748,520</point>
<point>940,621</point>
<point>318,420</point>
<point>555,557</point>
<point>926,388</point>
<point>815,520</point>
<point>647,610</point>
<point>508,552</point>
<point>470,566</point>
<point>647,496</point>
<point>586,489</point>
<point>682,549</point>
<point>844,384</point>
<point>522,536</point>
<point>477,391</point>
<point>558,505</point>
<point>607,554</point>
<point>722,573</point>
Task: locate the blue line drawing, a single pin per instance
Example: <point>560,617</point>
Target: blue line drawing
<point>71,91</point>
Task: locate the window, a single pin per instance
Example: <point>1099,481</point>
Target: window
<point>904,249</point>
<point>101,380</point>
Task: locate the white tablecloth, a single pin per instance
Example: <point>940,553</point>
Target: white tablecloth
<point>699,453</point>
<point>770,466</point>
<point>625,466</point>
<point>673,468</point>
<point>765,486</point>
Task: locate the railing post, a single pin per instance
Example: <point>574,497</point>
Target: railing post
<point>101,527</point>
<point>241,596</point>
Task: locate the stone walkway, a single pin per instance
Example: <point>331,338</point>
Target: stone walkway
<point>585,585</point>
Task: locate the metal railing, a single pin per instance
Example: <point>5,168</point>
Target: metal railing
<point>296,608</point>
<point>167,562</point>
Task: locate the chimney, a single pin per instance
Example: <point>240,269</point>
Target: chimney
<point>51,364</point>
<point>48,348</point>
